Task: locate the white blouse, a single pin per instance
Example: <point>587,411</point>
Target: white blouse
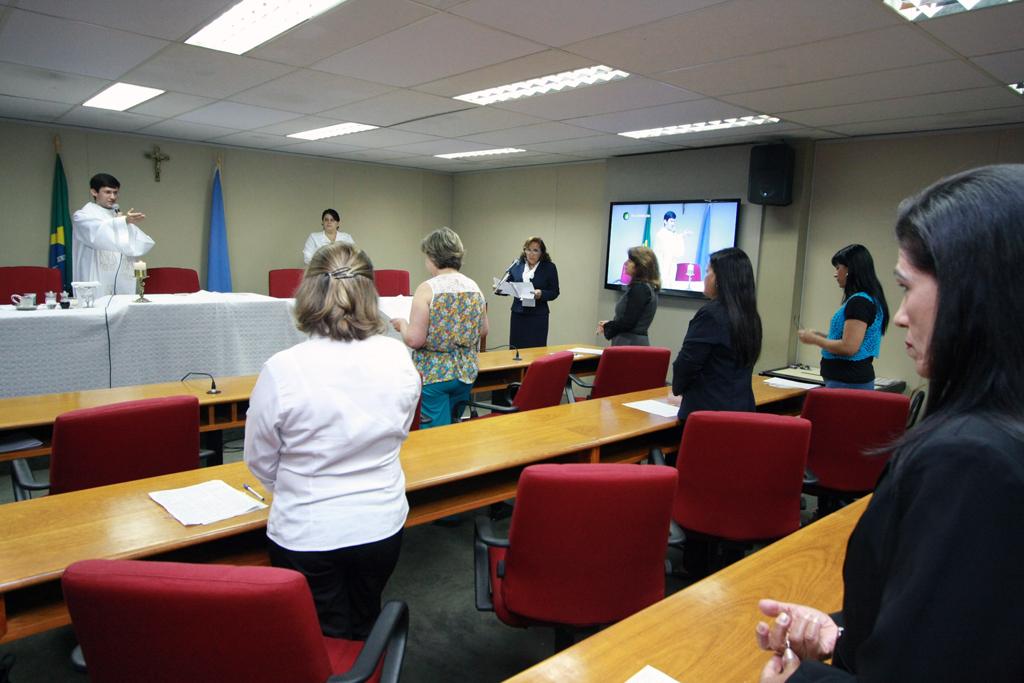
<point>318,239</point>
<point>325,424</point>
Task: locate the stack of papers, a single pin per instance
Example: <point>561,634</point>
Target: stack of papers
<point>780,383</point>
<point>586,351</point>
<point>18,441</point>
<point>206,503</point>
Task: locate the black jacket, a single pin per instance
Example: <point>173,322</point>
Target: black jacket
<point>545,279</point>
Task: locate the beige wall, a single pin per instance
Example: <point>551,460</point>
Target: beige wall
<point>272,201</point>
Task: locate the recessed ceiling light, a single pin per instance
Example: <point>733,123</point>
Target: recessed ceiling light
<point>702,127</point>
<point>919,10</point>
<point>121,96</point>
<point>1017,87</point>
<point>481,153</point>
<point>331,131</point>
<point>592,75</point>
<point>253,22</point>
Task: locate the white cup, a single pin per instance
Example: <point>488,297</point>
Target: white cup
<point>24,302</point>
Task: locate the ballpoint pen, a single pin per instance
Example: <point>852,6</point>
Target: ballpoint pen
<point>254,493</point>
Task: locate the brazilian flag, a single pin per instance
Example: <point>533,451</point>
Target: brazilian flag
<point>60,226</point>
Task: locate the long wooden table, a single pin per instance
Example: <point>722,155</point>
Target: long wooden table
<point>706,631</point>
<point>226,410</point>
<point>448,470</point>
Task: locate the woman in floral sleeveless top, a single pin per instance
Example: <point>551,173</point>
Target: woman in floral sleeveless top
<point>444,328</point>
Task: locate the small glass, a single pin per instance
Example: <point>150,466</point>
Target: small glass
<point>51,300</point>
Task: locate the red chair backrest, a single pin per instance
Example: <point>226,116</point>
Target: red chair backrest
<point>27,279</point>
<point>391,282</point>
<point>124,442</point>
<point>202,623</point>
<point>171,281</point>
<point>844,424</point>
<point>544,382</point>
<point>741,474</point>
<point>284,281</point>
<point>623,369</point>
<point>587,542</point>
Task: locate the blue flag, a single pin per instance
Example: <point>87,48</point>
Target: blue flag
<point>60,226</point>
<point>218,264</point>
<point>704,245</point>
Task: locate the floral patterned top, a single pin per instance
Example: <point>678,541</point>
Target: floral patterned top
<point>453,331</point>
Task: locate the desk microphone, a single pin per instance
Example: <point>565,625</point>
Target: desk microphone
<point>510,348</point>
<point>213,383</point>
<point>504,277</point>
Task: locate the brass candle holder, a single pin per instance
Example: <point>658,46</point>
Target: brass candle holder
<point>140,286</point>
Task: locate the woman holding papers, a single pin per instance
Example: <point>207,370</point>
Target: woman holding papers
<point>444,328</point>
<point>528,326</point>
<point>635,310</point>
<point>933,568</point>
<point>326,421</point>
<point>330,220</point>
<point>855,333</point>
<point>713,369</point>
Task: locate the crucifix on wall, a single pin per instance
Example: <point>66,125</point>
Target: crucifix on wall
<point>157,158</point>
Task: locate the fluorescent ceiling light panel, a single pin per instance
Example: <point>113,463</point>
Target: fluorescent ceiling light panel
<point>1017,87</point>
<point>253,22</point>
<point>332,131</point>
<point>121,96</point>
<point>592,75</point>
<point>481,153</point>
<point>701,127</point>
<point>919,10</point>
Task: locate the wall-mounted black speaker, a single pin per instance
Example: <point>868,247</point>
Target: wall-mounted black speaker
<point>771,175</point>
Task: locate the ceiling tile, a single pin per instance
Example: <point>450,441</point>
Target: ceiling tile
<point>469,122</point>
<point>512,71</point>
<point>31,39</point>
<point>198,71</point>
<point>665,115</point>
<point>982,32</point>
<point>914,80</point>
<point>171,104</point>
<point>377,155</point>
<point>635,92</point>
<point>396,106</point>
<point>862,53</point>
<point>316,148</point>
<point>186,130</point>
<point>310,92</point>
<point>169,20</point>
<point>33,110</point>
<point>434,48</point>
<point>525,135</point>
<point>1010,115</point>
<point>560,23</point>
<point>252,138</point>
<point>105,119</point>
<point>42,84</point>
<point>599,144</point>
<point>1006,67</point>
<point>732,29</point>
<point>352,23</point>
<point>387,137</point>
<point>237,116</point>
<point>442,147</point>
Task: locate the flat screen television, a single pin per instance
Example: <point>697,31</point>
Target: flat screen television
<point>682,233</point>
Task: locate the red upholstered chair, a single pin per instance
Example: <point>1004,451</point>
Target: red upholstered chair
<point>203,623</point>
<point>740,478</point>
<point>586,547</point>
<point>542,386</point>
<point>846,424</point>
<point>116,443</point>
<point>392,282</point>
<point>284,281</point>
<point>623,369</point>
<point>24,279</point>
<point>172,281</point>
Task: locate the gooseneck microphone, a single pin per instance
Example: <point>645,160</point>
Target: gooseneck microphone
<point>504,277</point>
<point>510,347</point>
<point>213,383</point>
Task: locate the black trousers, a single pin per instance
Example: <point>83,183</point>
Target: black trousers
<point>346,582</point>
<point>528,330</point>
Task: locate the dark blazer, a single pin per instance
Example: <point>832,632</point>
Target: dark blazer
<point>934,567</point>
<point>706,371</point>
<point>545,279</point>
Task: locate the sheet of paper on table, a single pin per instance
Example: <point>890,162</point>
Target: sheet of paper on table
<point>586,350</point>
<point>649,674</point>
<point>780,383</point>
<point>654,407</point>
<point>205,503</point>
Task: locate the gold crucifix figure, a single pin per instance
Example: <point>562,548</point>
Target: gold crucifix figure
<point>157,158</point>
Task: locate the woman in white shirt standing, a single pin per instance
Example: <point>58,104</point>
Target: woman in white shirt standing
<point>325,425</point>
<point>331,221</point>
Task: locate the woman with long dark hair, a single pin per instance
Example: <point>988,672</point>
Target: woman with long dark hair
<point>636,308</point>
<point>934,566</point>
<point>855,333</point>
<point>723,341</point>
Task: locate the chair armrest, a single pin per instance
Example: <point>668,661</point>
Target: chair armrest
<point>387,638</point>
<point>576,380</point>
<point>810,478</point>
<point>657,457</point>
<point>494,408</point>
<point>676,535</point>
<point>23,480</point>
<point>483,538</point>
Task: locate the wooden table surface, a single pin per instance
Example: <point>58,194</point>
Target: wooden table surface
<point>705,633</point>
<point>448,469</point>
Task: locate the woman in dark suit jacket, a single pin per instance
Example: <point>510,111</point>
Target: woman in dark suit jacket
<point>714,367</point>
<point>529,324</point>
